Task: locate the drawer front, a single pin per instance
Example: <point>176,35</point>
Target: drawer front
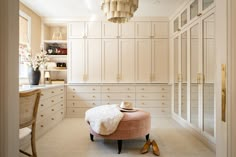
<point>118,96</point>
<point>160,103</point>
<point>152,89</point>
<point>71,89</point>
<point>47,93</point>
<point>118,89</point>
<point>83,96</point>
<point>76,112</point>
<point>50,101</point>
<point>50,111</point>
<point>118,102</point>
<point>153,96</point>
<point>71,103</point>
<point>156,112</point>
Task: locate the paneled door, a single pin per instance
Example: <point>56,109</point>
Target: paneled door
<point>126,61</point>
<point>160,60</point>
<point>110,65</point>
<point>143,61</point>
<point>76,61</point>
<point>93,60</point>
<point>176,75</point>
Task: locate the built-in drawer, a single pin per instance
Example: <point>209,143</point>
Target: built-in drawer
<point>83,96</point>
<point>50,92</point>
<point>153,96</point>
<point>160,103</point>
<point>71,89</point>
<point>160,88</point>
<point>118,88</point>
<point>50,101</point>
<point>71,103</point>
<point>118,96</point>
<point>155,112</point>
<point>118,102</point>
<point>76,112</point>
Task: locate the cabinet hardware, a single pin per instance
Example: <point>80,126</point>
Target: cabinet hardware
<point>61,112</point>
<point>178,29</point>
<point>108,88</point>
<point>93,96</point>
<point>42,105</point>
<point>142,89</point>
<point>61,97</point>
<point>52,100</point>
<point>52,118</point>
<point>93,89</point>
<point>41,126</point>
<point>199,14</point>
<point>52,109</point>
<point>223,92</point>
<point>52,92</point>
<point>61,89</point>
<point>41,115</point>
<point>42,95</point>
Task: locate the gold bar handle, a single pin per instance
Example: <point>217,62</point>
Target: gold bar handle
<point>223,92</point>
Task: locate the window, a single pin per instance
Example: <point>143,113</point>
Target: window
<point>24,41</point>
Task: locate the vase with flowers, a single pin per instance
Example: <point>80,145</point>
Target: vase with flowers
<point>34,63</point>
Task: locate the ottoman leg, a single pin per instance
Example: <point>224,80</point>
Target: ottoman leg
<point>119,142</point>
<point>147,137</point>
<point>91,137</point>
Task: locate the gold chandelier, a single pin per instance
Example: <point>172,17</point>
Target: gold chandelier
<point>119,11</point>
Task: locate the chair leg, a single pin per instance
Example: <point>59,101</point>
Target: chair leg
<point>119,142</point>
<point>147,137</point>
<point>91,137</point>
<point>33,144</point>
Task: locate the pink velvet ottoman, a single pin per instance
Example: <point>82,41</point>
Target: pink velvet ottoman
<point>132,125</point>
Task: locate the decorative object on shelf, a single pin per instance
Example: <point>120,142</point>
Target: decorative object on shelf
<point>34,63</point>
<point>119,11</point>
<point>47,79</point>
<point>61,64</point>
<point>57,34</point>
<point>56,49</point>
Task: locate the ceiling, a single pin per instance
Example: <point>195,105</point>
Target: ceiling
<point>78,8</point>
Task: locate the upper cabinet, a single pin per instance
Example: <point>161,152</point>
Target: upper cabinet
<point>109,30</point>
<point>194,9</point>
<point>158,29</point>
<point>91,29</point>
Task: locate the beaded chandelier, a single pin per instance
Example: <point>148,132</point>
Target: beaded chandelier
<point>119,11</point>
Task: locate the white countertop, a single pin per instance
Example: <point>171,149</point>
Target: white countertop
<point>40,86</point>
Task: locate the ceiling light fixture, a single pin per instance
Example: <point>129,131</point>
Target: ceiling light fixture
<point>119,11</point>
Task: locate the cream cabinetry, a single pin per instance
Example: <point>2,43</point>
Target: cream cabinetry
<point>112,30</point>
<point>158,29</point>
<point>51,109</point>
<point>153,98</point>
<point>118,61</point>
<point>81,98</point>
<point>88,29</point>
<point>143,61</point>
<point>85,60</point>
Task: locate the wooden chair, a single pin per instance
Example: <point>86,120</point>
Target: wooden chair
<point>28,112</point>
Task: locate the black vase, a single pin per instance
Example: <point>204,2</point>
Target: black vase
<point>34,76</point>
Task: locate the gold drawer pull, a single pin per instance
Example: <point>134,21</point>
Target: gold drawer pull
<point>143,103</point>
<point>73,111</point>
<point>61,104</point>
<point>61,97</point>
<point>128,89</point>
<point>41,115</point>
<point>163,96</point>
<point>52,100</point>
<point>94,104</point>
<point>73,89</point>
<point>162,110</point>
<point>142,89</point>
<point>108,96</point>
<point>61,89</point>
<point>73,96</point>
<point>163,103</point>
<point>163,89</point>
<point>41,126</point>
<point>52,118</point>
<point>108,88</point>
<point>61,112</point>
<point>42,94</point>
<point>128,96</point>
<point>93,96</point>
<point>108,103</point>
<point>94,89</point>
<point>42,105</point>
<point>52,109</point>
<point>142,96</point>
<point>52,92</point>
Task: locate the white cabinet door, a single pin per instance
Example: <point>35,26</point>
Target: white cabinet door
<point>93,29</point>
<point>109,30</point>
<point>76,30</point>
<point>110,60</point>
<point>160,29</point>
<point>126,61</point>
<point>160,56</point>
<point>93,60</point>
<point>126,30</point>
<point>76,61</point>
<point>143,60</point>
<point>143,29</point>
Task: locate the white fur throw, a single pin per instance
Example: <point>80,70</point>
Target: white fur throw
<point>104,119</point>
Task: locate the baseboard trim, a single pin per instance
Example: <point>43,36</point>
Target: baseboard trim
<point>209,143</point>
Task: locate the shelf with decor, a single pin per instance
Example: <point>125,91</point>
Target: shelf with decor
<point>55,44</point>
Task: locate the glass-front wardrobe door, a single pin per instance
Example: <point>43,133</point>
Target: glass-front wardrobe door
<point>184,75</point>
<point>209,64</point>
<point>194,80</point>
<point>176,84</point>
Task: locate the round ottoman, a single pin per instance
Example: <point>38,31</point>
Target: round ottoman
<point>132,125</point>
